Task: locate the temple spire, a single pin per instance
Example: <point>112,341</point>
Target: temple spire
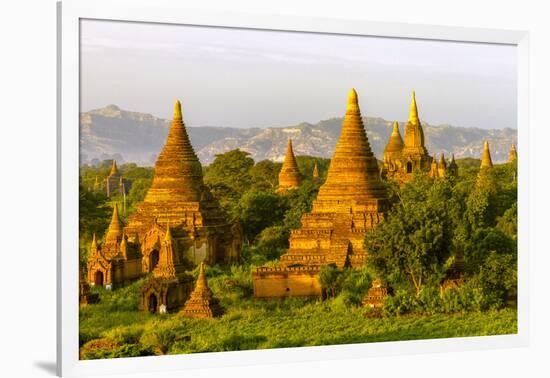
<point>94,243</point>
<point>353,173</point>
<point>201,279</point>
<point>114,169</point>
<point>413,113</point>
<point>178,172</point>
<point>114,232</point>
<point>486,161</point>
<point>315,174</point>
<point>395,144</point>
<point>177,110</point>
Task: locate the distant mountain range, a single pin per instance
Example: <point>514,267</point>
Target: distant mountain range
<point>111,132</point>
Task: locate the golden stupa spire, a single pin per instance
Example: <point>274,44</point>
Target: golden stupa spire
<point>114,232</point>
<point>178,172</point>
<point>353,172</point>
<point>315,174</point>
<point>177,110</point>
<point>202,284</point>
<point>395,142</point>
<point>289,176</point>
<point>114,169</point>
<point>94,242</point>
<point>486,161</point>
<point>413,113</point>
<point>513,154</point>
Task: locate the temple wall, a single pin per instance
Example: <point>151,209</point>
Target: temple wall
<point>280,282</point>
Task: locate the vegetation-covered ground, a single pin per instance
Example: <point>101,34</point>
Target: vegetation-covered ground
<point>114,328</point>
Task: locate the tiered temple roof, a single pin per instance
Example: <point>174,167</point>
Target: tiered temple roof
<point>351,201</point>
<point>414,134</point>
<point>201,303</point>
<point>289,176</point>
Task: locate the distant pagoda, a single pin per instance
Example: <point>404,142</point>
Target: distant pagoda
<point>452,169</point>
<point>486,161</point>
<point>115,184</point>
<point>201,303</point>
<point>352,201</point>
<point>402,158</point>
<point>289,176</point>
<point>315,174</point>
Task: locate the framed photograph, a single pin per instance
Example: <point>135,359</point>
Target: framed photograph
<point>262,188</point>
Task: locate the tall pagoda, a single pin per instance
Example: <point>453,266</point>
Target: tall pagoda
<point>352,201</point>
<point>289,176</point>
<point>200,229</point>
<point>115,184</point>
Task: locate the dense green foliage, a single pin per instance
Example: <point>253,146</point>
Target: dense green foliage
<point>435,224</point>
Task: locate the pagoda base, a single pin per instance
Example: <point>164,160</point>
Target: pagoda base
<point>284,282</point>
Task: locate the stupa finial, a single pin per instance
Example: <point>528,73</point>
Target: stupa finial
<point>177,110</point>
<point>413,113</point>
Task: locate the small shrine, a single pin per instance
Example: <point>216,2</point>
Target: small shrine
<point>376,295</point>
<point>201,303</point>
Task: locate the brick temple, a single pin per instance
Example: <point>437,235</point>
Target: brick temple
<point>199,229</point>
<point>352,201</point>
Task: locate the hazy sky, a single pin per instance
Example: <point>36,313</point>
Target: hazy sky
<point>253,78</point>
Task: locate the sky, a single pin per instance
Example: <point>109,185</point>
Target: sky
<point>256,78</point>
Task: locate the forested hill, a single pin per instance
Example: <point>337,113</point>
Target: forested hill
<point>111,132</point>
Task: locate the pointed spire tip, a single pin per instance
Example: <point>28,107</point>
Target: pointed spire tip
<point>177,110</point>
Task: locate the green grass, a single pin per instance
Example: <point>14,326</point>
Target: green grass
<point>116,329</point>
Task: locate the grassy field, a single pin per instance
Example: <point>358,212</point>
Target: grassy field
<point>114,328</point>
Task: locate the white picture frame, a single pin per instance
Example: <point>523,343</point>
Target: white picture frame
<point>171,12</point>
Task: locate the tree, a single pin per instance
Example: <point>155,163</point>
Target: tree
<point>265,175</point>
<point>415,241</point>
<point>94,213</point>
<point>260,209</point>
<point>229,177</point>
<point>329,279</point>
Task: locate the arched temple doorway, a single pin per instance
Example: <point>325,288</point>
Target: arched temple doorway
<point>409,167</point>
<point>98,278</point>
<point>153,259</point>
<point>153,303</point>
